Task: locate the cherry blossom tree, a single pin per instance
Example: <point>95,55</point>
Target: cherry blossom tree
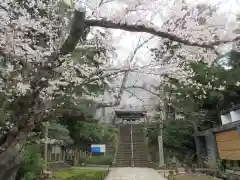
<point>41,66</point>
<point>171,59</point>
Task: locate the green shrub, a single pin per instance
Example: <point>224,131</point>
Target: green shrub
<point>94,175</point>
<point>79,174</point>
<point>99,160</point>
<point>32,163</point>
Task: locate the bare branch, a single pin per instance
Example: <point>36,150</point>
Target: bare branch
<point>143,28</point>
<point>143,88</point>
<point>130,58</point>
<point>134,95</point>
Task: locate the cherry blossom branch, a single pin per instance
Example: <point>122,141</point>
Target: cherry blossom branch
<point>143,88</point>
<point>143,28</point>
<point>174,106</point>
<point>130,92</point>
<point>130,59</point>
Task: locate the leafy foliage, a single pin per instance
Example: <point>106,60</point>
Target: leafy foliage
<point>76,173</point>
<point>33,163</point>
<point>100,160</point>
<point>178,140</point>
<point>85,132</point>
<point>209,91</point>
<point>59,132</point>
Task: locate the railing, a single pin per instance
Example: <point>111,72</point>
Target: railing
<point>132,158</point>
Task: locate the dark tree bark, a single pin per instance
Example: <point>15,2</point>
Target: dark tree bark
<point>10,164</point>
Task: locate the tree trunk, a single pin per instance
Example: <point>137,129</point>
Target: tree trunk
<point>10,157</point>
<point>9,166</point>
<point>9,173</point>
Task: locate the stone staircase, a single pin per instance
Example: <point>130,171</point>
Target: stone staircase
<point>140,151</point>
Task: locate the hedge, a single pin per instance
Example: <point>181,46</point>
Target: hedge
<point>94,175</point>
<point>79,174</point>
<point>99,160</point>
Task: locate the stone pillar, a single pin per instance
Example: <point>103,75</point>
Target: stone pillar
<point>211,149</point>
<point>160,147</point>
<point>199,152</point>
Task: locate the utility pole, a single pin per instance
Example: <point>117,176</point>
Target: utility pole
<point>160,132</point>
<point>45,145</point>
<point>160,144</point>
<point>160,141</point>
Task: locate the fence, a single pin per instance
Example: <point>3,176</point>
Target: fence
<point>59,154</point>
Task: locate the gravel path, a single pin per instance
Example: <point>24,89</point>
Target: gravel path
<point>134,174</point>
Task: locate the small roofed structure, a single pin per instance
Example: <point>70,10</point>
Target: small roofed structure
<point>222,142</point>
<point>129,114</point>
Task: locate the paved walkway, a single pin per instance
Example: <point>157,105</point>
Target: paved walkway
<point>134,174</point>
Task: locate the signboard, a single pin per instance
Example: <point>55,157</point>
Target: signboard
<point>98,148</point>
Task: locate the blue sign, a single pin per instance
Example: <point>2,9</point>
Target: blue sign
<point>98,148</point>
<point>95,149</point>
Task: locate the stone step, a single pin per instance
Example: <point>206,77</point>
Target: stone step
<point>139,149</point>
<point>136,141</point>
<point>123,164</point>
<point>120,165</point>
<point>135,133</point>
<point>134,138</point>
<point>127,156</point>
<point>124,157</point>
<point>121,156</point>
<point>141,143</point>
<point>136,154</point>
<point>142,165</point>
<point>123,160</point>
<point>139,154</point>
<point>126,153</point>
<point>143,162</point>
<point>128,129</point>
<point>143,158</point>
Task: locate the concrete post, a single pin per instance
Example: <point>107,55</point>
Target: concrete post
<point>160,145</point>
<point>198,146</point>
<point>45,146</point>
<point>161,156</point>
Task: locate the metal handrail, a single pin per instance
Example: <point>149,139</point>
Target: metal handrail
<point>132,158</point>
